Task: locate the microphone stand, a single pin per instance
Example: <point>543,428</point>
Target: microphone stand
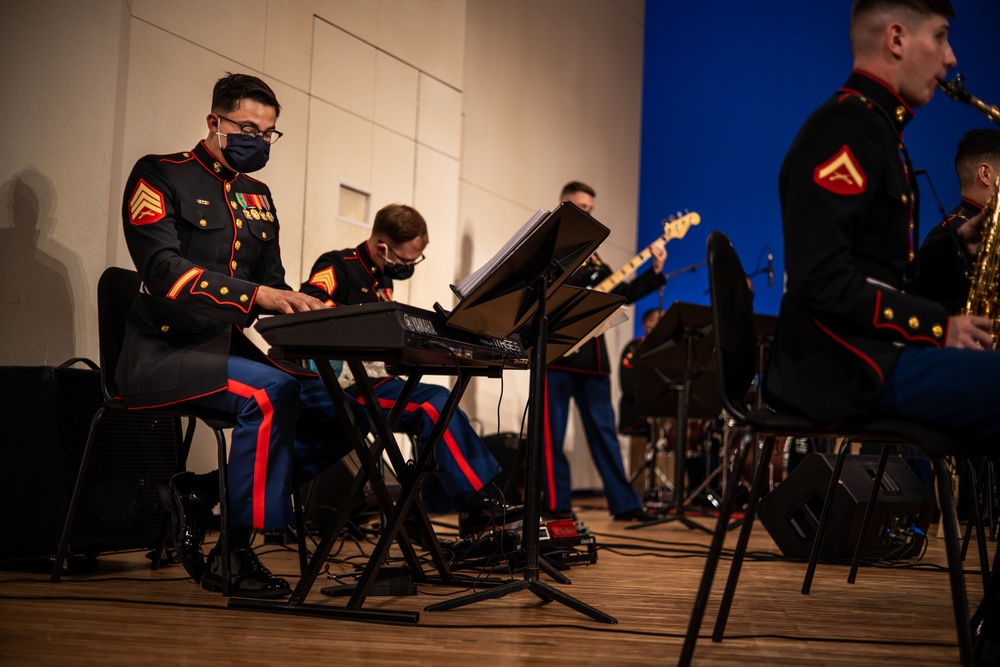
<point>687,269</point>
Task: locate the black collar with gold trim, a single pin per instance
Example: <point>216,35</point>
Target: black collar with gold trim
<point>878,92</point>
<point>211,163</point>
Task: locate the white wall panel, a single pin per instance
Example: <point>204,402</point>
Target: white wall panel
<point>343,70</point>
<point>428,34</point>
<point>235,29</point>
<point>439,123</point>
<point>340,151</point>
<point>436,197</point>
<point>396,95</point>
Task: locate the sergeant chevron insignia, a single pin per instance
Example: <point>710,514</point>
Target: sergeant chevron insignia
<point>145,206</point>
<point>324,280</point>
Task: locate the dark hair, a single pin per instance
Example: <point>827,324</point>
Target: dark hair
<point>976,147</point>
<point>649,313</point>
<point>232,88</point>
<point>929,7</point>
<point>573,187</point>
<point>399,223</point>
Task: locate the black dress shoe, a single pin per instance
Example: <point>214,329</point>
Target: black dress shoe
<point>191,515</point>
<point>249,576</point>
<point>638,514</point>
<point>986,636</point>
<point>558,515</point>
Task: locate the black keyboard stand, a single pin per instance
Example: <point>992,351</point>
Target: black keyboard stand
<point>411,484</point>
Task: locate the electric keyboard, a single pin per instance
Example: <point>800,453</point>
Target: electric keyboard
<point>399,335</point>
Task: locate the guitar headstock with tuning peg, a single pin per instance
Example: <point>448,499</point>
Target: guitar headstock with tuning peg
<point>678,224</point>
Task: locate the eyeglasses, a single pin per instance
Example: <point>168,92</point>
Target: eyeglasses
<point>404,262</point>
<point>246,129</point>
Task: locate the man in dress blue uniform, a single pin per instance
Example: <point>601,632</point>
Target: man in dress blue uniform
<point>204,238</point>
<point>366,274</point>
<point>584,376</point>
<point>851,340</point>
<point>948,253</point>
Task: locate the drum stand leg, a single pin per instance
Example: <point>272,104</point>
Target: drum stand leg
<point>657,486</point>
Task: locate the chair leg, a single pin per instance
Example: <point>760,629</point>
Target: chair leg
<point>74,500</point>
<point>161,541</point>
<point>866,523</point>
<point>824,516</point>
<point>300,531</point>
<point>991,497</point>
<point>977,522</point>
<point>759,480</point>
<point>227,579</point>
<point>971,524</point>
<point>959,600</point>
<point>185,448</point>
<point>714,552</point>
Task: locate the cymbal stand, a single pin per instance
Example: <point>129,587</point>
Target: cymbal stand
<point>692,335</point>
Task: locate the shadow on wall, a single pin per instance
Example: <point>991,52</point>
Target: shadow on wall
<point>36,305</point>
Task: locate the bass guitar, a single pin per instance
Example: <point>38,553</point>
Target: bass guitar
<point>673,228</point>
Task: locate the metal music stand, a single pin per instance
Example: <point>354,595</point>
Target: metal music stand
<point>675,356</point>
<point>524,291</point>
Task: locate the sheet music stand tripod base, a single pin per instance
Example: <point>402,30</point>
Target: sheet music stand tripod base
<point>553,261</point>
<point>531,582</point>
<point>676,351</point>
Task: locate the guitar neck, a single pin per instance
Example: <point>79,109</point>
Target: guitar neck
<point>621,274</point>
<point>675,229</point>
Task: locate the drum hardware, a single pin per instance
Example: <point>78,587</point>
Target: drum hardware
<point>657,489</point>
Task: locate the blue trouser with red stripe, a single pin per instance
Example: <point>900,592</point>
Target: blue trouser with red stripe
<point>954,390</point>
<point>287,432</point>
<point>592,394</point>
<point>465,462</point>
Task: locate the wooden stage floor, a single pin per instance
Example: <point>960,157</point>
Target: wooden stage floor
<point>122,613</point>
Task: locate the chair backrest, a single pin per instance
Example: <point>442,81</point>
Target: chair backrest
<point>733,320</point>
<point>116,290</point>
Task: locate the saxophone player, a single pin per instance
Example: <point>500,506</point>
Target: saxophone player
<point>851,340</point>
<point>949,251</point>
<point>947,258</point>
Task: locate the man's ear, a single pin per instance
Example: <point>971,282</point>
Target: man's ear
<point>986,174</point>
<point>895,38</point>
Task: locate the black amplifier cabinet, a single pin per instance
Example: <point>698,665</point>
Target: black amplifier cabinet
<point>899,521</point>
<point>46,413</point>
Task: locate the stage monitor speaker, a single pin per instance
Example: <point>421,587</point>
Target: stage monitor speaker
<point>46,413</point>
<point>791,512</point>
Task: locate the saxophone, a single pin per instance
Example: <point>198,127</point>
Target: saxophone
<point>955,89</point>
<point>983,296</point>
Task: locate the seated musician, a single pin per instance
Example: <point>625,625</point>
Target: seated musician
<point>365,274</point>
<point>204,238</point>
<point>845,317</point>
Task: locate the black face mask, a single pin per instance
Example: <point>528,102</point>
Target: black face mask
<point>245,153</point>
<point>397,271</point>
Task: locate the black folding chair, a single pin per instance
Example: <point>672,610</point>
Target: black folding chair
<point>116,290</point>
<point>732,314</point>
